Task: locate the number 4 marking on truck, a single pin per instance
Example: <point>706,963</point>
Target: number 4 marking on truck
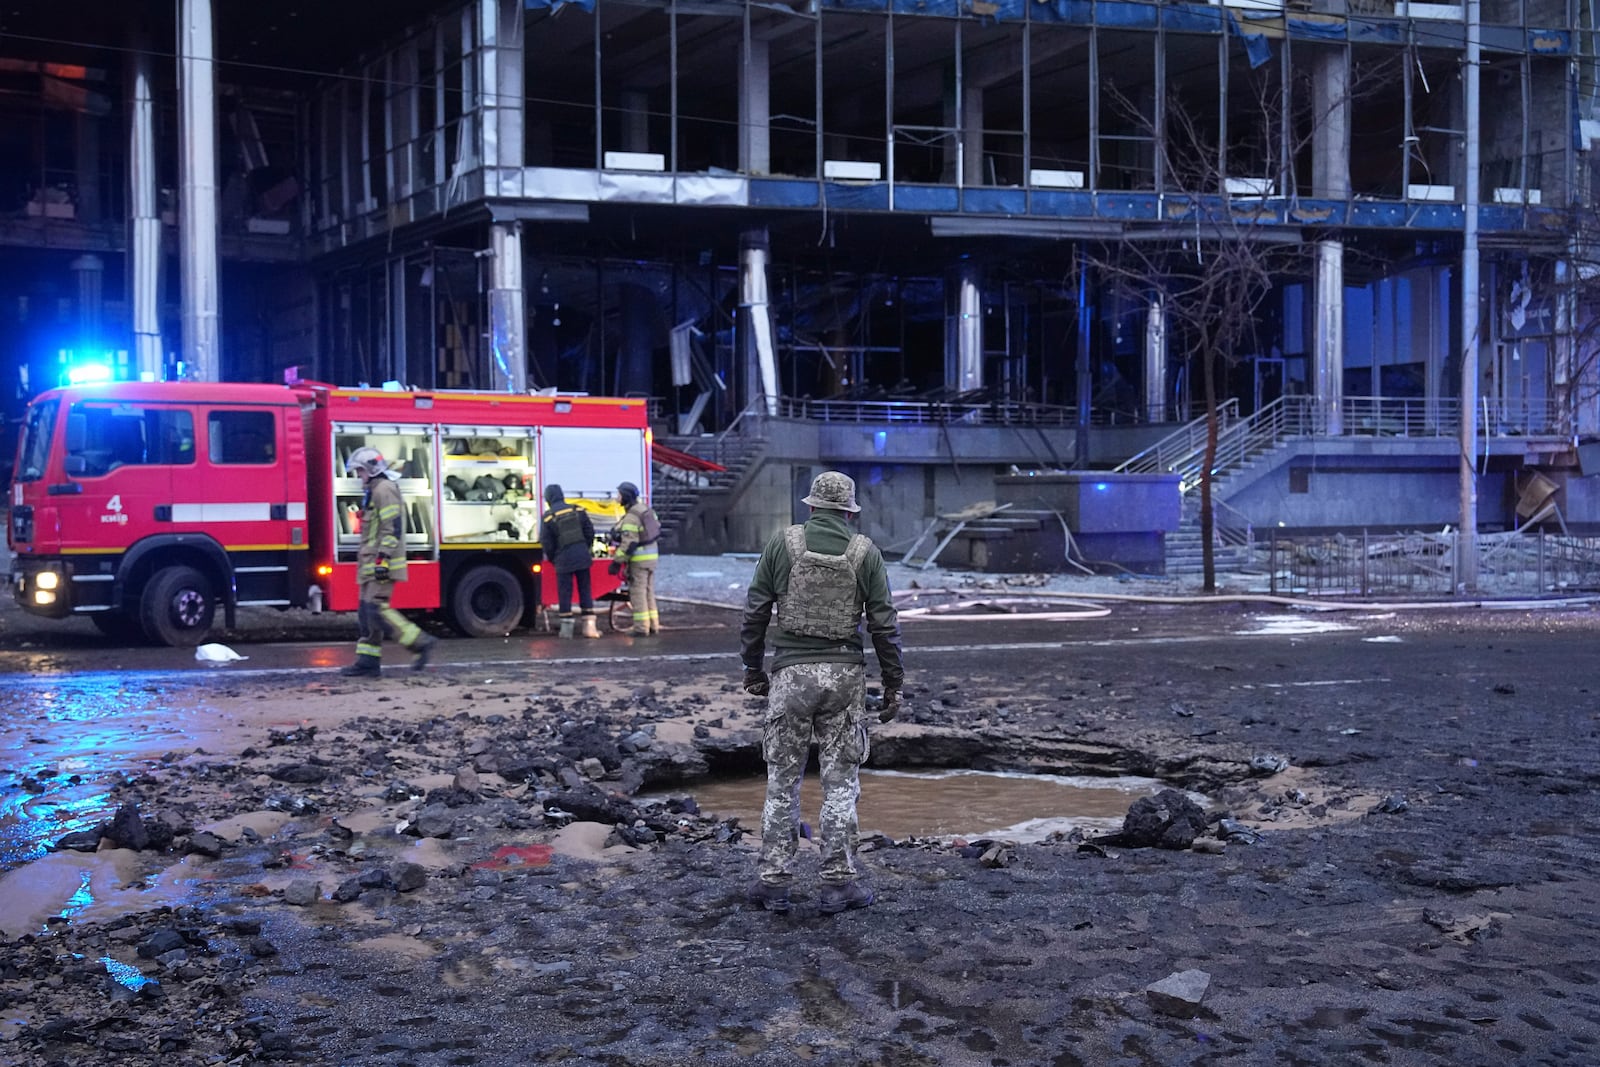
<point>114,513</point>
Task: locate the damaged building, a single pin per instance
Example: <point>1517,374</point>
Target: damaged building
<point>884,236</point>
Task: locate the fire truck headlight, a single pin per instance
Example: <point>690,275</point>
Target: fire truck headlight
<point>44,597</point>
<point>47,580</point>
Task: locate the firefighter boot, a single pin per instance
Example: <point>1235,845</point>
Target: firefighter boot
<point>424,651</point>
<point>365,666</point>
<point>591,628</point>
<point>568,624</point>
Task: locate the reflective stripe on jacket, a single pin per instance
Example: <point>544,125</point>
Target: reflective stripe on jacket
<point>567,536</point>
<point>383,530</point>
<point>630,530</point>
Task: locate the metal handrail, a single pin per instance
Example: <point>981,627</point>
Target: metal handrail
<point>1240,440</point>
<point>1240,532</point>
<point>930,413</point>
<point>1180,445</point>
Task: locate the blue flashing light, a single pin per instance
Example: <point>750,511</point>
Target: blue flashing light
<point>1101,487</point>
<point>880,441</point>
<point>85,373</point>
<point>92,365</point>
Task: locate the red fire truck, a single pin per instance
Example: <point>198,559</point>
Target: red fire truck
<point>147,506</point>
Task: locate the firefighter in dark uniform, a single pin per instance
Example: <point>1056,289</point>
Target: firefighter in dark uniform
<point>822,577</point>
<point>379,564</point>
<point>567,536</point>
<point>637,550</point>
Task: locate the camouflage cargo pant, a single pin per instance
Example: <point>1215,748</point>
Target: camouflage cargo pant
<point>824,701</point>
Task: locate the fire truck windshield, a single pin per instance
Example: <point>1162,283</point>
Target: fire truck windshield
<point>36,441</point>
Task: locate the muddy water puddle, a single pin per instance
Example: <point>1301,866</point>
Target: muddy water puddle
<point>1020,807</point>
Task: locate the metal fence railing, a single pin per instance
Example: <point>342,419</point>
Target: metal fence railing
<point>1365,564</point>
<point>917,412</point>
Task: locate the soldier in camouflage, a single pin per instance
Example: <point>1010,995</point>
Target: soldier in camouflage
<point>822,577</point>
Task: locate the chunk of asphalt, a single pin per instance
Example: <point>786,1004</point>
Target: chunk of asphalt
<point>1179,994</point>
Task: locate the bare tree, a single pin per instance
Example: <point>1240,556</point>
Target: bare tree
<point>1220,247</point>
<point>1213,259</point>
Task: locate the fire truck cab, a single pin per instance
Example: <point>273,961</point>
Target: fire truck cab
<point>149,506</point>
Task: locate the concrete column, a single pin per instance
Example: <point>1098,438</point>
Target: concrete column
<point>635,120</point>
<point>89,207</point>
<point>755,136</point>
<point>963,112</point>
<point>1330,134</point>
<point>1155,360</point>
<point>1085,364</point>
<point>90,272</point>
<point>501,96</point>
<point>755,323</point>
<point>144,221</point>
<point>1471,322</point>
<point>1572,380</point>
<point>975,169</point>
<point>508,313</point>
<point>197,196</point>
<point>637,304</point>
<point>1327,339</point>
<point>1330,178</point>
<point>963,361</point>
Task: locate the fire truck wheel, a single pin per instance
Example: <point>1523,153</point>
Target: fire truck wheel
<point>487,602</point>
<point>119,626</point>
<point>177,607</point>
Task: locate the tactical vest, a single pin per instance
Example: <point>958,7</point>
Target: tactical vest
<point>569,524</point>
<point>821,599</point>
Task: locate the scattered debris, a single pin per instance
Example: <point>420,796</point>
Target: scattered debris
<point>1391,805</point>
<point>1179,994</point>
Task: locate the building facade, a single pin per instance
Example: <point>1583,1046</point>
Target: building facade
<point>820,224</point>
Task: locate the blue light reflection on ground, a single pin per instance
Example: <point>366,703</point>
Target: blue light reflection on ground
<point>126,975</point>
<point>30,824</point>
<point>73,736</point>
<point>81,899</point>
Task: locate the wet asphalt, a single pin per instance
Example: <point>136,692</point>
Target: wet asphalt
<point>1455,928</point>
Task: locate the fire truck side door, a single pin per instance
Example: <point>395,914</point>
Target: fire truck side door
<point>241,496</point>
<point>124,457</point>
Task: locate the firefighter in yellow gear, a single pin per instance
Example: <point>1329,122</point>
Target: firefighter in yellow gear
<point>380,563</point>
<point>637,535</point>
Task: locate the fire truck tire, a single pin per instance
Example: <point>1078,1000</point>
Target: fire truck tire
<point>119,626</point>
<point>177,607</point>
<point>487,602</point>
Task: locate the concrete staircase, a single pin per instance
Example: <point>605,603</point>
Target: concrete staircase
<point>680,495</point>
<point>1234,537</point>
<point>1246,450</point>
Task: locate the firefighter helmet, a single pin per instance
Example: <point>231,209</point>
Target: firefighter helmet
<point>628,493</point>
<point>366,460</point>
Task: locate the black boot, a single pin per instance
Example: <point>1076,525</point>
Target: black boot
<point>768,896</point>
<point>837,897</point>
<point>424,650</point>
<point>364,667</point>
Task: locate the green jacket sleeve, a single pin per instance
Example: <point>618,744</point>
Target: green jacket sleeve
<point>883,621</point>
<point>758,604</point>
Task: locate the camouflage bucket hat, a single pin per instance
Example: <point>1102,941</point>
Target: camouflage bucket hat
<point>830,489</point>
